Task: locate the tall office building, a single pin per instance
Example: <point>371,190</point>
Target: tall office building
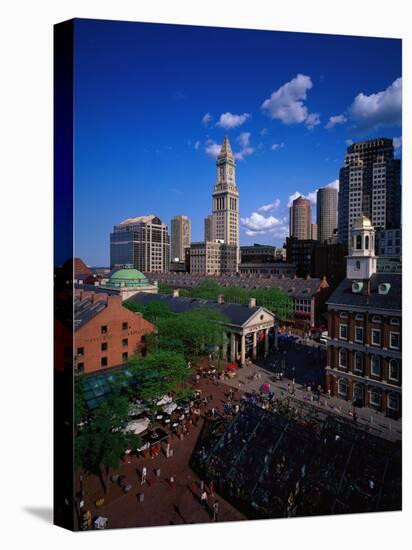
<point>314,231</point>
<point>369,185</point>
<point>326,212</point>
<point>209,228</point>
<point>180,237</point>
<point>226,199</point>
<point>300,224</point>
<point>143,242</point>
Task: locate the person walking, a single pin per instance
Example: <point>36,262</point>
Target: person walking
<point>203,499</point>
<point>144,475</point>
<point>215,510</point>
<point>212,489</point>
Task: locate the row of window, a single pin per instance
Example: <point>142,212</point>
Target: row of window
<point>375,365</point>
<point>375,395</point>
<point>376,336</point>
<point>104,346</point>
<point>103,362</point>
<point>373,318</point>
<point>104,329</point>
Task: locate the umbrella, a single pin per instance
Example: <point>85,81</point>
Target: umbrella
<point>232,367</point>
<point>265,388</point>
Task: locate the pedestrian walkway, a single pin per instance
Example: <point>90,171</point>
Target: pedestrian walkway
<point>252,377</point>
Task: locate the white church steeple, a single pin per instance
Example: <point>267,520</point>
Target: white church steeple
<point>361,260</point>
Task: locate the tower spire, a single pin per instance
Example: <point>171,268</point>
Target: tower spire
<point>226,150</point>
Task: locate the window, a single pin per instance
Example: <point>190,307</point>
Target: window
<point>376,337</point>
<point>395,321</point>
<point>358,363</point>
<point>393,373</point>
<point>125,356</point>
<point>359,334</point>
<point>80,367</point>
<point>80,352</point>
<point>103,346</point>
<point>359,317</point>
<point>367,242</point>
<point>375,398</point>
<point>343,332</point>
<point>375,365</point>
<point>358,242</point>
<point>125,342</point>
<point>394,340</point>
<point>343,388</point>
<point>393,401</point>
<point>343,315</point>
<point>376,319</point>
<point>343,358</point>
<point>103,362</point>
<point>357,265</point>
<point>103,329</point>
<point>125,326</point>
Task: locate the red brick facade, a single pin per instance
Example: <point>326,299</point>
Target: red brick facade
<point>364,359</point>
<point>111,337</point>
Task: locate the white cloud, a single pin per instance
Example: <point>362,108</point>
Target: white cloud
<point>256,224</point>
<point>334,184</point>
<point>334,120</point>
<point>245,152</point>
<point>277,146</point>
<point>397,142</point>
<point>197,145</point>
<point>379,109</point>
<point>246,149</point>
<point>288,103</point>
<point>312,195</point>
<point>244,139</point>
<point>229,120</point>
<point>212,148</point>
<point>271,206</point>
<point>207,119</point>
<point>263,131</point>
<point>349,142</point>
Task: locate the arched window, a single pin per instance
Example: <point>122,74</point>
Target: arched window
<point>343,358</point>
<point>375,398</point>
<point>393,370</point>
<point>357,264</point>
<point>393,401</point>
<point>375,365</point>
<point>358,242</point>
<point>367,242</point>
<point>343,388</point>
<point>358,363</point>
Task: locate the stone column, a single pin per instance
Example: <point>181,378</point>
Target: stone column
<point>232,347</point>
<point>242,350</point>
<point>254,345</point>
<point>266,340</point>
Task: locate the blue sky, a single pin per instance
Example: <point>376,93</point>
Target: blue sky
<point>152,102</point>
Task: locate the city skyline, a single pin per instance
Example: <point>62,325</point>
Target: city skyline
<point>289,120</point>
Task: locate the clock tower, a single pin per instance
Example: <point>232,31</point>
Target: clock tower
<point>226,198</point>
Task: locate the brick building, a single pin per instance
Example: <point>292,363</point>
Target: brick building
<point>364,360</point>
<point>106,334</point>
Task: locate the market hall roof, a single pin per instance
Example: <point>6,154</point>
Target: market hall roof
<point>392,300</point>
<point>237,314</point>
<point>86,309</point>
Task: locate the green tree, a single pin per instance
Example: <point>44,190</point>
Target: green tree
<point>102,440</point>
<point>158,374</point>
<point>197,330</point>
<point>153,311</point>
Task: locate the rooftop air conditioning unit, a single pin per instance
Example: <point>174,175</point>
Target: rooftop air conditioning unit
<point>357,287</point>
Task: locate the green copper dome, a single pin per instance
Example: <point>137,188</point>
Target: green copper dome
<point>127,276</point>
